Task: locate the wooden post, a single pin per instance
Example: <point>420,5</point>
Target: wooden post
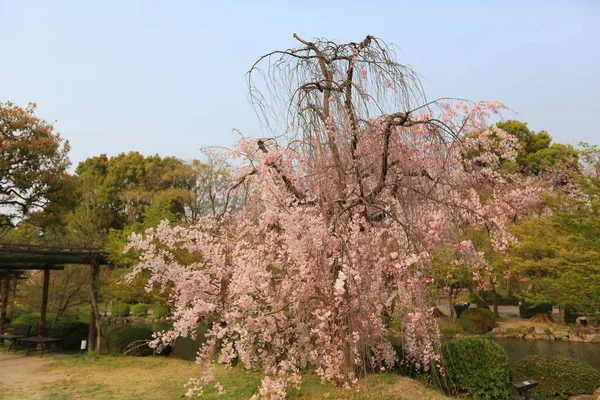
<point>45,297</point>
<point>13,291</point>
<point>5,289</point>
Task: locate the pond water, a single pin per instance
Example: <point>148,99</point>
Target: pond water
<point>519,348</point>
<point>186,348</point>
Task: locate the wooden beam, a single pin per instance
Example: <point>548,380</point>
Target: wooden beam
<point>41,258</point>
<point>45,297</point>
<point>4,266</point>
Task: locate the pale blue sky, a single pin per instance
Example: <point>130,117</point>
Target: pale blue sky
<point>168,77</point>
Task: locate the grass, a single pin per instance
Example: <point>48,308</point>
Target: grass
<point>121,377</point>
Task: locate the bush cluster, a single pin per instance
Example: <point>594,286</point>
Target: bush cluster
<point>120,310</point>
<point>558,376</point>
<point>476,367</point>
<point>33,319</point>
<point>160,311</point>
<point>528,309</point>
<point>477,320</point>
<point>139,310</point>
<point>130,339</point>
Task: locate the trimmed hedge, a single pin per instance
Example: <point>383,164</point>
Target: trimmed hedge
<point>476,367</point>
<point>477,320</point>
<point>33,319</point>
<point>558,376</point>
<point>129,339</point>
<point>528,309</point>
<point>120,310</point>
<point>139,310</point>
<point>160,311</point>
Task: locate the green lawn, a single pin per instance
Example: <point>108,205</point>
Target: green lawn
<point>110,377</point>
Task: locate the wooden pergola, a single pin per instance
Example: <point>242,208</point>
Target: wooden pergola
<point>15,260</point>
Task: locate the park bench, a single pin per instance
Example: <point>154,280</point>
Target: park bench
<point>14,332</point>
<point>44,336</point>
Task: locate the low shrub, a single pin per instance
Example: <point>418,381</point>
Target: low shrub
<point>476,367</point>
<point>130,340</point>
<point>558,376</point>
<point>160,311</point>
<point>120,310</point>
<point>477,320</point>
<point>139,310</point>
<point>528,309</point>
<point>33,319</point>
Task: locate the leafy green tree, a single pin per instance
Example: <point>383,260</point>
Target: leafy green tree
<point>537,153</point>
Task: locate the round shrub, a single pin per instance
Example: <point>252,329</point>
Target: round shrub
<point>477,320</point>
<point>130,340</point>
<point>160,311</point>
<point>120,310</point>
<point>139,310</point>
<point>558,376</point>
<point>33,319</point>
<point>528,309</point>
<point>476,367</point>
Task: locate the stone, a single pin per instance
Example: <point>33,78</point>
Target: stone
<point>540,330</point>
<point>580,397</point>
<point>561,334</point>
<point>596,395</point>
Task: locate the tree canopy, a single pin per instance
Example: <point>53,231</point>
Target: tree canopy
<point>33,162</point>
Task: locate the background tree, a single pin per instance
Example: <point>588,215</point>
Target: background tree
<point>33,161</point>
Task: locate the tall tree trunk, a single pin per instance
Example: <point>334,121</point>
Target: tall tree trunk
<point>91,331</point>
<point>496,313</point>
<point>94,272</point>
<point>452,310</point>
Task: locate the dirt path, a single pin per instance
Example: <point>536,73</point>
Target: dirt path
<point>18,371</point>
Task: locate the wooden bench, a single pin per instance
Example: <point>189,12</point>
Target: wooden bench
<point>44,336</point>
<point>14,332</point>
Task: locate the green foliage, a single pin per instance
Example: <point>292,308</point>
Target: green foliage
<point>487,298</point>
<point>528,308</point>
<point>558,376</point>
<point>477,367</point>
<point>560,257</point>
<point>130,339</point>
<point>160,311</point>
<point>120,310</point>
<point>537,153</point>
<point>139,310</point>
<point>33,319</point>
<point>477,320</point>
